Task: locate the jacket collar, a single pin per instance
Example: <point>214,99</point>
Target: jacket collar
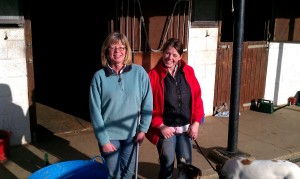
<point>162,70</point>
<point>109,71</point>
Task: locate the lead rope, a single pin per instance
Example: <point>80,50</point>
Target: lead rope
<point>137,148</point>
<point>205,157</point>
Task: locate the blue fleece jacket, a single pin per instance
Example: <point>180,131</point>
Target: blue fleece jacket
<point>117,101</point>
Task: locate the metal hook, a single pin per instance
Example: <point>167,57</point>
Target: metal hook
<point>6,37</point>
<point>207,34</point>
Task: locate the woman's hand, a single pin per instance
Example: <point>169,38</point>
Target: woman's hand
<point>166,131</point>
<point>193,130</point>
<point>140,137</point>
<point>109,147</point>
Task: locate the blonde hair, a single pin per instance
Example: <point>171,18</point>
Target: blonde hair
<point>114,38</point>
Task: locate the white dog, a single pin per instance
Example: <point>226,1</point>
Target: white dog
<point>243,168</point>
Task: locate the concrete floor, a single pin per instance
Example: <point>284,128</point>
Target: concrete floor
<point>65,137</point>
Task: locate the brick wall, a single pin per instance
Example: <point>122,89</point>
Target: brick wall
<point>202,50</point>
<point>283,72</point>
<point>13,86</point>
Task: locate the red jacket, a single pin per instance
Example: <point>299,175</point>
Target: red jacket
<point>157,75</point>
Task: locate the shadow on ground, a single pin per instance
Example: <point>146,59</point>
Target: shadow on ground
<point>30,158</point>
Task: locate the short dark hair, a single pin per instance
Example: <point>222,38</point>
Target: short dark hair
<point>173,42</point>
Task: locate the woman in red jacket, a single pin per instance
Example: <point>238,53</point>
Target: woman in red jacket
<point>177,109</point>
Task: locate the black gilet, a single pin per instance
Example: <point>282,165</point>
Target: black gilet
<point>177,96</point>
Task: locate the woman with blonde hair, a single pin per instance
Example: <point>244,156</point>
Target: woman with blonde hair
<point>120,106</point>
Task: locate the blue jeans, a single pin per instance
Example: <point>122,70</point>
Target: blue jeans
<point>121,163</point>
<point>179,145</point>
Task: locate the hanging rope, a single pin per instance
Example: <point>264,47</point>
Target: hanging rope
<point>132,35</point>
<point>169,22</point>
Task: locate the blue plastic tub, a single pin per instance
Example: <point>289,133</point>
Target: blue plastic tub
<point>73,169</point>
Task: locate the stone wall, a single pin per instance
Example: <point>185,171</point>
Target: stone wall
<point>14,104</point>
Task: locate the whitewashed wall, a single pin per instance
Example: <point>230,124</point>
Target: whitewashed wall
<point>202,50</point>
<point>14,103</point>
<point>283,72</point>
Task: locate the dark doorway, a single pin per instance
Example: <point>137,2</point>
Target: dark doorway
<point>67,38</point>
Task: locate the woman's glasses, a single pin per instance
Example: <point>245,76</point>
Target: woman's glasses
<point>120,49</point>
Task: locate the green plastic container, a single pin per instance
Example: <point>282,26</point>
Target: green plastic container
<point>265,106</point>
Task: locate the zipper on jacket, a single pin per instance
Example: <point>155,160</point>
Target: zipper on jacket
<point>121,81</point>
